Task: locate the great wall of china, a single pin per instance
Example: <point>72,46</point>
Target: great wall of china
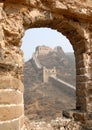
<point>72,18</point>
<point>48,74</point>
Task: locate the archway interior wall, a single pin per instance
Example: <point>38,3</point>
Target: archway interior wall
<point>67,18</point>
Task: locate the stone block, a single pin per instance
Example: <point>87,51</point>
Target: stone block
<point>79,57</point>
<point>81,78</point>
<point>85,71</point>
<point>81,103</point>
<point>80,50</point>
<point>89,117</point>
<point>89,107</point>
<point>90,99</point>
<point>79,116</point>
<point>11,97</point>
<point>89,85</point>
<point>81,85</point>
<point>88,125</point>
<point>12,125</point>
<point>81,92</point>
<point>81,71</point>
<point>82,63</point>
<point>12,112</point>
<point>68,113</point>
<point>8,82</point>
<point>85,85</point>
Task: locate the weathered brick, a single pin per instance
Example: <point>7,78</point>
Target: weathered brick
<point>84,70</point>
<point>89,107</point>
<point>82,99</point>
<point>81,71</point>
<point>11,97</point>
<point>82,78</point>
<point>13,125</point>
<point>82,63</point>
<point>81,103</point>
<point>79,116</point>
<point>81,85</point>
<point>81,92</point>
<point>89,117</point>
<point>79,57</point>
<point>12,112</point>
<point>7,82</point>
<point>84,86</point>
<point>89,91</point>
<point>89,85</point>
<point>80,50</point>
<point>90,99</point>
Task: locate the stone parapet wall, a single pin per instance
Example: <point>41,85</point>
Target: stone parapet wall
<point>36,61</point>
<point>43,50</point>
<point>47,73</point>
<point>67,89</point>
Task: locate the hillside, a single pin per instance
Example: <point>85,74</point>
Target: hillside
<point>64,63</point>
<point>44,100</point>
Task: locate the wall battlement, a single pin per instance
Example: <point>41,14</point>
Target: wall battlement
<point>47,73</point>
<point>42,50</point>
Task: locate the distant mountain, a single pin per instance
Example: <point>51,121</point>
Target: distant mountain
<point>44,100</point>
<point>64,63</point>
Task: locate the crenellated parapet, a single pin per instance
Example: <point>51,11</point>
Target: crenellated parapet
<point>47,73</point>
<point>43,50</point>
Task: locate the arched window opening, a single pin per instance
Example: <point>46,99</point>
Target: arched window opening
<point>48,87</point>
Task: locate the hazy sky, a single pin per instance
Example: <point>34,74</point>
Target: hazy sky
<point>43,36</point>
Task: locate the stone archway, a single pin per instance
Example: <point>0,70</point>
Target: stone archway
<point>74,20</point>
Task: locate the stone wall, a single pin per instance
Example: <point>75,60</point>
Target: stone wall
<point>73,18</point>
<point>42,50</point>
<point>65,87</point>
<point>47,73</point>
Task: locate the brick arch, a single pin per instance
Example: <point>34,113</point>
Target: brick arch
<point>74,20</point>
